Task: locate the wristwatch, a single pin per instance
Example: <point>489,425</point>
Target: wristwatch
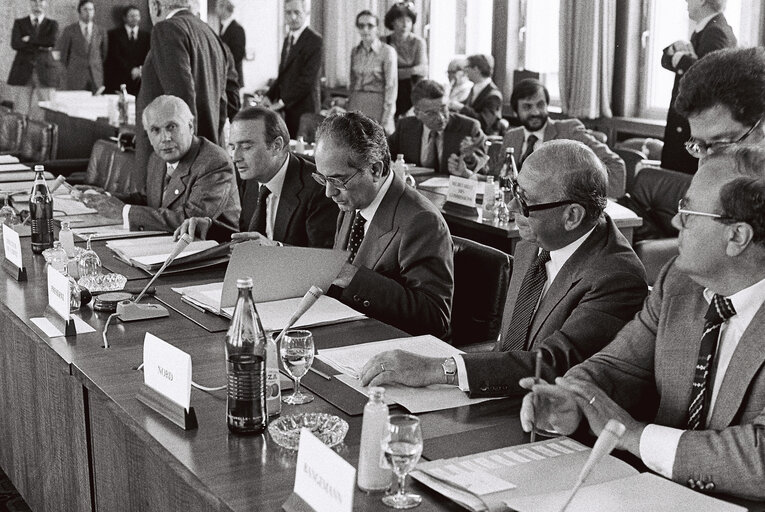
<point>450,370</point>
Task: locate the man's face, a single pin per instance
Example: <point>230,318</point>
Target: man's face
<point>295,14</point>
<point>716,127</point>
<point>695,11</point>
<point>157,11</point>
<point>170,135</point>
<point>133,18</point>
<point>332,161</point>
<point>433,113</point>
<point>367,27</point>
<point>532,111</point>
<point>456,74</point>
<point>254,159</point>
<point>87,12</point>
<point>37,7</point>
<point>221,12</point>
<point>473,74</point>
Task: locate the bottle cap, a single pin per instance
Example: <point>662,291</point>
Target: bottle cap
<point>39,168</point>
<point>376,393</point>
<point>245,282</point>
<point>65,225</point>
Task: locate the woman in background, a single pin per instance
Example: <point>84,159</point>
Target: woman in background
<point>411,50</point>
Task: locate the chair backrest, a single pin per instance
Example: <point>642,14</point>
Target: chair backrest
<point>631,158</point>
<point>110,168</point>
<point>11,131</point>
<point>654,254</point>
<point>309,122</point>
<point>650,147</point>
<point>481,278</point>
<point>39,142</point>
<point>599,136</point>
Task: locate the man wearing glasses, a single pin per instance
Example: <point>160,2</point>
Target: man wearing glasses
<point>687,375</point>
<point>400,268</point>
<point>575,283</point>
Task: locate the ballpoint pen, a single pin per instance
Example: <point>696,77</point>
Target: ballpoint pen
<point>537,378</point>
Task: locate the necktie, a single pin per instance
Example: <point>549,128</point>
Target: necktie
<point>35,23</point>
<point>260,220</point>
<point>132,35</point>
<point>357,235</point>
<point>431,158</point>
<point>530,143</point>
<point>720,310</point>
<point>528,296</point>
<point>86,33</point>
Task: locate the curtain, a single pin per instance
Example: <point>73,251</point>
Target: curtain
<point>587,42</point>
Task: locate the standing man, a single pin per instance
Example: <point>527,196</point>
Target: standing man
<point>711,32</point>
<point>485,99</point>
<point>128,47</point>
<point>296,88</point>
<point>83,48</point>
<point>34,72</point>
<point>232,33</point>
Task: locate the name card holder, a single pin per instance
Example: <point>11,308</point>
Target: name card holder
<point>18,273</point>
<point>187,420</point>
<point>13,263</point>
<point>59,301</point>
<point>461,197</point>
<point>64,325</point>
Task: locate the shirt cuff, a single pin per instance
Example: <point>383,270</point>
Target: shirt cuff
<point>658,447</point>
<point>462,380</point>
<point>676,58</point>
<point>126,217</point>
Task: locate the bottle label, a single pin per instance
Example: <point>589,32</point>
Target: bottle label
<point>273,391</point>
<point>245,393</point>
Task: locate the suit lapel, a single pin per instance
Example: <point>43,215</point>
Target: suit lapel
<point>478,99</point>
<point>525,253</point>
<point>295,48</point>
<point>344,221</point>
<point>289,200</point>
<point>452,138</point>
<point>381,229</point>
<point>178,182</point>
<point>551,131</point>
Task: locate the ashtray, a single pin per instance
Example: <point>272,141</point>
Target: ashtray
<point>103,282</point>
<point>327,427</point>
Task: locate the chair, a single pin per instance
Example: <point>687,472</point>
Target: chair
<point>654,254</point>
<point>599,136</point>
<point>39,142</point>
<point>631,158</point>
<point>110,168</point>
<point>650,147</point>
<point>309,122</point>
<point>11,131</point>
<point>481,278</point>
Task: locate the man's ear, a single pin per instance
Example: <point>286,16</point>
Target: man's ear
<point>277,144</point>
<point>574,215</point>
<point>740,235</point>
<point>377,169</point>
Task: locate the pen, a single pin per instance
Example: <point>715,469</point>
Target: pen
<point>537,378</point>
<point>320,373</point>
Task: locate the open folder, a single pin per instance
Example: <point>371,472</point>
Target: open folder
<point>150,253</point>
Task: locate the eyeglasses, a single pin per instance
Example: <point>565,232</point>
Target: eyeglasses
<point>366,25</point>
<point>683,213</point>
<point>528,208</point>
<point>335,182</point>
<point>700,149</point>
<point>441,111</point>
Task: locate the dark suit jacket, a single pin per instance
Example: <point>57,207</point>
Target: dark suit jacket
<point>597,291</point>
<point>203,185</point>
<point>486,107</point>
<point>236,40</point>
<point>574,129</point>
<point>123,56</point>
<point>648,369</point>
<point>34,54</point>
<point>406,272</point>
<point>407,139</point>
<point>83,62</point>
<point>716,35</point>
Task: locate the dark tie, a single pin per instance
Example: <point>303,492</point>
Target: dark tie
<point>357,235</point>
<point>288,44</point>
<point>528,296</point>
<point>720,310</point>
<point>432,153</point>
<point>35,24</point>
<point>260,220</point>
<point>530,143</point>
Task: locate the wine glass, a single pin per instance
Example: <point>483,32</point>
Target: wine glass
<point>7,213</point>
<point>296,351</point>
<point>88,263</point>
<point>402,446</point>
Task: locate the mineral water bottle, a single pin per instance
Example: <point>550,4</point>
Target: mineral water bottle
<point>372,477</point>
<point>66,237</point>
<point>400,168</point>
<point>489,197</point>
<point>123,104</point>
<point>274,388</point>
<point>246,366</point>
<point>41,212</point>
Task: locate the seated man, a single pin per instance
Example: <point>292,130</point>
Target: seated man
<point>686,376</point>
<point>460,84</point>
<point>529,100</point>
<point>400,269</point>
<point>575,283</point>
<point>187,176</point>
<point>281,203</point>
<point>434,136</point>
<point>485,100</point>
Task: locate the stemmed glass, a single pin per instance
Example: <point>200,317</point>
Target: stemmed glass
<point>88,263</point>
<point>402,446</point>
<point>7,213</point>
<point>296,350</point>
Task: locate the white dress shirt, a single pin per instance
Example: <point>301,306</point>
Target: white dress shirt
<point>175,11</point>
<point>89,27</point>
<point>275,185</point>
<point>39,18</point>
<point>369,212</point>
<point>132,33</point>
<point>658,444</point>
<point>540,134</point>
<point>169,170</point>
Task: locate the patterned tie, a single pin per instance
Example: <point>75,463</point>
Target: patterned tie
<point>260,220</point>
<point>720,310</point>
<point>530,142</point>
<point>431,159</point>
<point>357,235</point>
<point>531,289</point>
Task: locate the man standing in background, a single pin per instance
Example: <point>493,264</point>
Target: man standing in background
<point>83,49</point>
<point>128,46</point>
<point>232,33</point>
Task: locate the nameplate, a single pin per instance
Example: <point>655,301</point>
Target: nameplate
<point>12,246</point>
<point>59,293</point>
<point>167,370</point>
<point>324,481</point>
<point>462,191</point>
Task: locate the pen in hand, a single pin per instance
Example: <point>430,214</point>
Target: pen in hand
<point>537,379</point>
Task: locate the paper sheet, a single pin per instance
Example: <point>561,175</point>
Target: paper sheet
<point>111,232</point>
<point>8,159</point>
<point>154,250</point>
<point>442,182</point>
<point>66,205</point>
<point>10,166</point>
<point>51,331</point>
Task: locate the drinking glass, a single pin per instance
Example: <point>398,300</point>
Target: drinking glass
<point>88,263</point>
<point>296,350</point>
<point>402,446</point>
<point>7,213</point>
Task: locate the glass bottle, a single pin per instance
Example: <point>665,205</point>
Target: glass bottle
<point>56,257</point>
<point>372,477</point>
<point>66,237</point>
<point>75,299</point>
<point>7,216</point>
<point>300,145</point>
<point>274,393</point>
<point>122,105</point>
<point>489,196</point>
<point>401,169</point>
<point>41,212</point>
<point>246,411</point>
<point>88,263</point>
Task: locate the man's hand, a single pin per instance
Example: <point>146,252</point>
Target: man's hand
<point>549,407</point>
<point>402,367</point>
<point>135,73</point>
<point>107,205</point>
<point>197,227</point>
<point>345,276</point>
<point>457,166</point>
<point>681,45</point>
<point>455,106</point>
<point>253,236</point>
<point>25,39</point>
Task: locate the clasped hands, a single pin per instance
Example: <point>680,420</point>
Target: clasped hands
<point>100,200</point>
<point>470,160</point>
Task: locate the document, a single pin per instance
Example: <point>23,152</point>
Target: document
<point>112,232</point>
<point>8,159</point>
<point>151,252</point>
<point>440,185</point>
<point>10,166</point>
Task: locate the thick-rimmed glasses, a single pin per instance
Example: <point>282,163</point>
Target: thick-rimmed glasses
<point>335,182</point>
<point>684,213</point>
<point>528,208</point>
<point>441,111</point>
<point>700,149</point>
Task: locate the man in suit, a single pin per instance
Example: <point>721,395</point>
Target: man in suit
<point>459,84</point>
<point>711,32</point>
<point>188,176</point>
<point>281,202</point>
<point>296,88</point>
<point>576,281</point>
<point>232,33</point>
<point>34,72</point>
<point>82,47</point>
<point>484,102</point>
<point>435,136</point>
<point>400,269</point>
<point>686,375</point>
<point>530,99</point>
<point>128,47</point>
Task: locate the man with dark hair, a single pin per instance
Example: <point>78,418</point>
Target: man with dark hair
<point>576,281</point>
<point>281,203</point>
<point>434,136</point>
<point>529,100</point>
<point>128,47</point>
<point>485,100</point>
<point>82,48</point>
<point>232,33</point>
<point>400,269</point>
<point>711,32</point>
<point>686,376</point>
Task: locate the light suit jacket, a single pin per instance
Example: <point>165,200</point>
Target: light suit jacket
<point>82,61</point>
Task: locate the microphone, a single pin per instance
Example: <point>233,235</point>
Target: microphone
<point>607,440</point>
<point>60,180</point>
<point>308,300</point>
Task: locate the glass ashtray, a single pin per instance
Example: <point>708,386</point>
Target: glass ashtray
<point>330,429</point>
<point>103,282</point>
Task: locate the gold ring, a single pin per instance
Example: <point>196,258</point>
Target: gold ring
<point>592,401</point>
<point>382,367</point>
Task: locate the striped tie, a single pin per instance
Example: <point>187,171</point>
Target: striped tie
<point>516,336</point>
<point>720,310</point>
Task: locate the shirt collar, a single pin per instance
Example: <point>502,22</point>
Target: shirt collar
<point>703,23</point>
<point>171,167</point>
<point>225,23</point>
<point>83,25</point>
<point>174,12</point>
<point>369,212</point>
<point>559,257</point>
<point>478,87</point>
<point>297,33</point>
<point>376,46</point>
<point>276,183</point>
<point>39,18</point>
<point>746,302</point>
<point>540,134</point>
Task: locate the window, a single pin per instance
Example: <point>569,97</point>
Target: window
<point>538,38</point>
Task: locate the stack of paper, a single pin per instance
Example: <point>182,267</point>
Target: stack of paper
<point>151,252</point>
<point>112,232</point>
